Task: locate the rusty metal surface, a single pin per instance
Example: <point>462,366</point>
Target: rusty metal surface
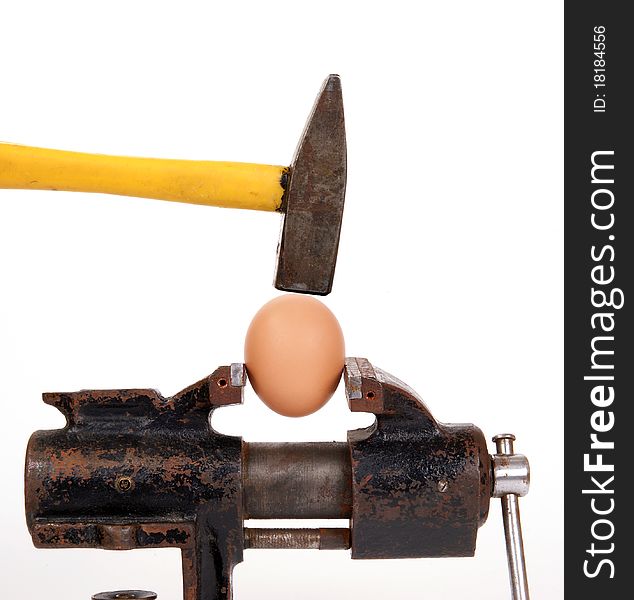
<point>314,200</point>
<point>420,488</point>
<point>309,480</point>
<point>135,470</point>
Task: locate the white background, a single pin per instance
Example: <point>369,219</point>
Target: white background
<point>450,264</point>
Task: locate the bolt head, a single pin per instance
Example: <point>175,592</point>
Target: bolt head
<point>125,595</point>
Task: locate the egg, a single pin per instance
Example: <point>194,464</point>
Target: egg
<point>294,354</point>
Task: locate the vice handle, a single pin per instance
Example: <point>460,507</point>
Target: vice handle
<point>511,480</point>
<point>226,184</point>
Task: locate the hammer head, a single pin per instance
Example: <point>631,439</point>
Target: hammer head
<point>314,199</point>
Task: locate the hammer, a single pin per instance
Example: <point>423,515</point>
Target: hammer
<point>310,193</point>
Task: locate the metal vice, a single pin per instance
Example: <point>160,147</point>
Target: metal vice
<point>133,469</point>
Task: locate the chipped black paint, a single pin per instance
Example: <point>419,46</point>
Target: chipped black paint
<point>172,537</point>
<point>182,480</point>
<point>412,486</point>
<point>418,486</point>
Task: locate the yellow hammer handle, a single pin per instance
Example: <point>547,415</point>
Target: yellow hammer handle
<point>227,184</point>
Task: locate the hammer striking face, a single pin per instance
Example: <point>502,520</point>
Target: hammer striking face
<point>310,192</point>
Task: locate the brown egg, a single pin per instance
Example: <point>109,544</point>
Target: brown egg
<point>294,354</point>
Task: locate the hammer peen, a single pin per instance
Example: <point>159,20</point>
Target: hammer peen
<point>310,193</point>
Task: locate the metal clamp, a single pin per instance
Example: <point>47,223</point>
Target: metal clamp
<point>511,479</point>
